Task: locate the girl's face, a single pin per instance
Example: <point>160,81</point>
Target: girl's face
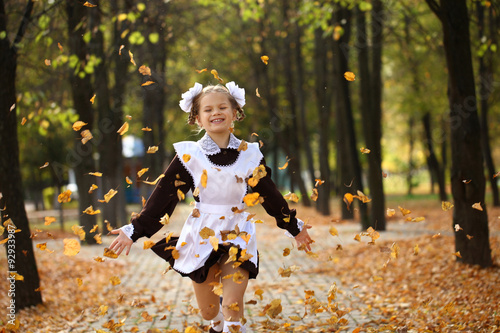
<point>216,114</point>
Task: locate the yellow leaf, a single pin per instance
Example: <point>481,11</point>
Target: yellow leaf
<point>295,318</point>
<point>245,237</point>
<point>357,238</point>
<point>148,83</point>
<point>201,70</point>
<point>92,188</point>
<point>78,230</point>
<point>333,231</point>
<point>214,241</point>
<point>234,306</point>
<point>90,211</point>
<point>77,125</point>
<point>364,150</point>
<point>86,136</point>
<point>111,193</point>
<point>94,228</point>
<point>477,206</point>
<point>251,199</point>
<point>292,197</point>
<point>115,280</point>
<point>97,174</point>
<point>259,293</point>
<point>415,219</point>
<point>314,194</point>
<point>92,99</point>
<point>446,205</point>
<point>243,146</point>
<point>458,254</point>
<point>148,244</point>
<point>273,309</point>
<point>337,32</point>
<point>206,232</point>
<point>152,149</point>
<point>216,75</point>
<point>98,239</point>
<point>132,58</point>
<point>145,70</point>
<point>404,211</point>
<point>180,195</point>
<point>348,198</point>
<point>204,179</point>
<point>196,192</point>
<point>416,250</point>
<point>284,165</point>
<point>175,254</point>
<point>155,181</point>
<point>128,180</point>
<point>146,129</point>
<point>88,4</point>
<point>79,282</point>
<point>395,251</point>
<point>110,253</point>
<point>141,172</point>
<point>257,93</point>
<point>103,309</point>
<point>257,174</point>
<point>165,219</point>
<point>265,59</point>
<point>186,158</point>
<point>64,197</point>
<point>390,212</point>
<point>49,220</point>
<point>123,129</point>
<point>349,76</point>
<point>217,288</point>
<point>71,247</point>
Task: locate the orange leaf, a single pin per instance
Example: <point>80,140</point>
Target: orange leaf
<point>71,247</point>
<point>123,129</point>
<point>265,59</point>
<point>349,76</point>
<point>201,70</point>
<point>204,178</point>
<point>251,199</point>
<point>88,4</point>
<point>145,70</point>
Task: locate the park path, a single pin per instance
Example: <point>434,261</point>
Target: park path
<point>174,305</point>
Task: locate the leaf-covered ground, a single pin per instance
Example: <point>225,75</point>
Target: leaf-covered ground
<point>426,291</point>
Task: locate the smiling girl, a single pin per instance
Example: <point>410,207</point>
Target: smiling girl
<point>218,238</point>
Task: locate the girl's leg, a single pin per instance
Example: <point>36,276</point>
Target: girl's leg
<point>208,302</point>
<point>232,301</point>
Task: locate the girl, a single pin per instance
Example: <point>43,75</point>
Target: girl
<point>218,238</point>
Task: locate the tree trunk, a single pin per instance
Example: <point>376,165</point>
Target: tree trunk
<point>467,173</point>
<point>350,170</point>
<point>81,158</point>
<point>293,130</point>
<point>371,94</point>
<point>432,162</point>
<point>411,164</point>
<point>323,102</point>
<point>19,247</point>
<point>486,71</point>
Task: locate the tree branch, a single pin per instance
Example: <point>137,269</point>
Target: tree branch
<point>433,5</point>
<point>24,22</point>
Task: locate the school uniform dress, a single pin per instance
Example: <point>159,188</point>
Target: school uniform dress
<point>219,176</point>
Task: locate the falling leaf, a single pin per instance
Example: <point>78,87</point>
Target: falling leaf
<point>257,174</point>
<point>12,107</point>
<point>286,252</point>
<point>110,253</point>
<point>97,174</point>
<point>319,182</point>
<point>120,49</point>
<point>469,237</point>
<point>395,251</point>
<point>123,129</point>
<point>48,62</point>
<point>251,199</point>
<point>98,239</point>
<point>78,230</point>
<point>361,196</point>
<point>145,70</point>
<point>94,228</point>
<point>438,235</point>
<point>49,220</point>
<point>265,59</point>
<point>404,211</point>
<point>23,121</point>
<point>357,238</point>
<point>195,213</point>
<point>337,32</point>
<point>445,205</point>
<point>155,181</point>
<point>115,280</point>
<point>92,99</point>
<point>216,75</point>
<point>204,178</point>
<point>457,254</point>
<point>128,180</point>
<point>60,47</point>
<point>141,172</point>
<point>288,271</point>
<point>348,198</point>
<point>214,241</point>
<point>465,181</point>
<point>333,231</point>
<point>415,219</point>
<point>496,175</point>
<point>416,250</point>
<point>284,165</point>
<point>71,247</point>
<point>243,146</point>
<point>273,309</point>
<point>217,288</point>
<point>201,70</point>
<point>349,76</point>
<point>186,158</point>
<point>165,219</point>
<point>147,83</point>
<point>111,193</point>
<point>314,194</point>
<point>196,192</point>
<point>88,4</point>
<point>86,136</point>
<point>257,93</point>
<point>234,306</point>
<point>64,197</point>
<point>477,206</point>
<point>148,244</point>
<point>390,212</point>
<point>364,150</point>
<point>457,227</point>
<point>79,282</point>
<point>206,232</point>
<point>92,188</point>
<point>245,237</point>
<point>132,58</point>
<point>291,196</point>
<point>180,195</point>
<point>90,211</point>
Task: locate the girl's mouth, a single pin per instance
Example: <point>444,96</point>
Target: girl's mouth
<point>217,121</point>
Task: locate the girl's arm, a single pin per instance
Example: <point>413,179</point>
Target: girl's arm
<point>276,206</point>
<point>162,201</point>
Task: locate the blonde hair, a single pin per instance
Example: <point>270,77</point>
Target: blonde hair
<point>240,114</point>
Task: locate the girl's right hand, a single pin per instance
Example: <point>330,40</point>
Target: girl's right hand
<point>122,242</point>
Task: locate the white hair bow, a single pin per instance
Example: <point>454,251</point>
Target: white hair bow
<point>237,92</point>
<point>187,98</point>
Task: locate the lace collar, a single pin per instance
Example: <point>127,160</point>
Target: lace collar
<point>209,147</point>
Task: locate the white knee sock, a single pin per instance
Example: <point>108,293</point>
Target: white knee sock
<point>234,326</point>
<point>218,322</point>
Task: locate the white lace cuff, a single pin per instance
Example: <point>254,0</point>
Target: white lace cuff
<point>128,230</point>
<point>300,225</point>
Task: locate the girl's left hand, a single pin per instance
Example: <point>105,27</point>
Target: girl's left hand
<point>303,239</point>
